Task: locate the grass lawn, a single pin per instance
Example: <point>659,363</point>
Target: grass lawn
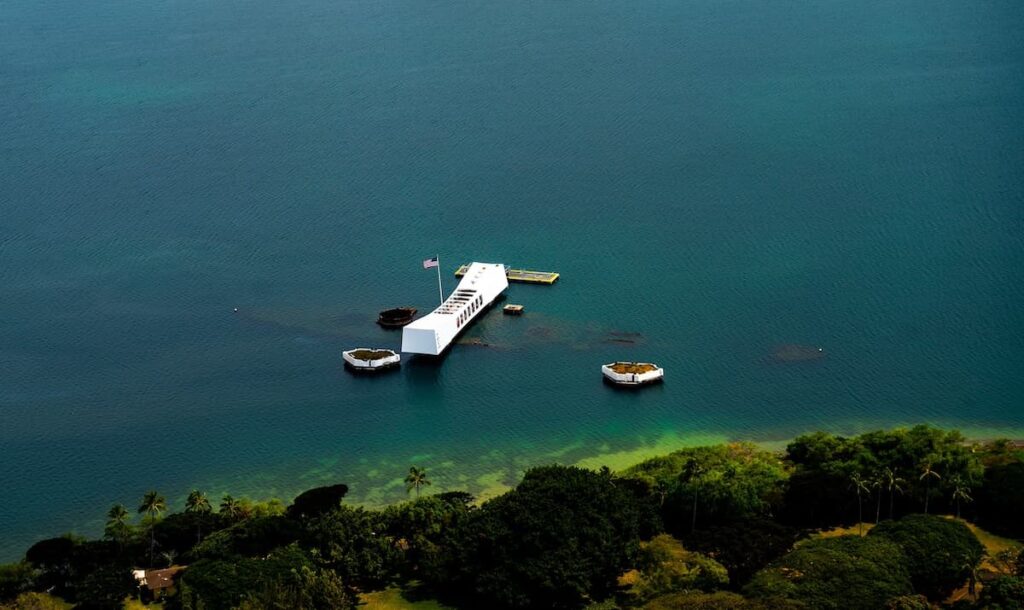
<point>392,599</point>
<point>994,544</point>
<point>43,601</point>
<point>853,530</point>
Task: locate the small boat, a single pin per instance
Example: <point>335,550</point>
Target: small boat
<point>513,310</point>
<point>397,317</point>
<point>632,373</point>
<point>370,359</point>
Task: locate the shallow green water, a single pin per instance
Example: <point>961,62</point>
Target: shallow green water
<point>712,180</point>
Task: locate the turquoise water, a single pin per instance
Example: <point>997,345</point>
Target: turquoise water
<point>711,179</point>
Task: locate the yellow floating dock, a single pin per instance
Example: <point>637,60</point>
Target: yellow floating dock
<point>520,275</point>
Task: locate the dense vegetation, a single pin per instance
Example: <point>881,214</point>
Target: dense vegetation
<point>844,572</point>
<point>940,554</point>
<point>729,526</point>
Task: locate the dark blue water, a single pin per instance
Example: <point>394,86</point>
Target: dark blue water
<point>711,179</point>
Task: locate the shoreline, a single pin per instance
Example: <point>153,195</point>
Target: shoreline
<point>382,491</point>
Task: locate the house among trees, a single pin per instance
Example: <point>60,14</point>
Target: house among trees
<point>153,584</point>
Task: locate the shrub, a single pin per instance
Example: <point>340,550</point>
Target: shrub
<point>940,552</point>
<point>743,547</point>
<point>720,600</point>
<point>15,578</point>
<point>1003,593</point>
<point>666,567</point>
<point>36,601</point>
<point>908,602</point>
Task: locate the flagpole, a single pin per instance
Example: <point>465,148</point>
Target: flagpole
<point>440,293</point>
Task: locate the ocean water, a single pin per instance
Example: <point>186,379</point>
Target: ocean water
<point>713,179</point>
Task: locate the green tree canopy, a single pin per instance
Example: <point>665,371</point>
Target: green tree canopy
<point>53,558</point>
<point>841,573</point>
<point>908,602</point>
<point>304,588</point>
<point>744,546</point>
<point>355,544</point>
<point>560,538</point>
<point>1003,593</point>
<point>421,528</point>
<point>999,500</point>
<point>712,484</point>
<point>824,464</point>
<point>317,501</point>
<point>940,552</point>
<point>105,588</point>
<point>250,538</point>
<point>15,578</point>
<point>222,584</point>
<point>719,600</point>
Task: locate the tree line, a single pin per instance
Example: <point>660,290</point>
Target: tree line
<point>726,526</point>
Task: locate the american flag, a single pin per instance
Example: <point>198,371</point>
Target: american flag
<point>430,262</point>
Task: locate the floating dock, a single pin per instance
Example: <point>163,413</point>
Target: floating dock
<point>523,276</point>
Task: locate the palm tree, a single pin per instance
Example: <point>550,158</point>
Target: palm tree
<point>927,474</point>
<point>961,492</point>
<point>692,474</point>
<point>972,568</point>
<point>661,490</point>
<point>859,484</point>
<point>416,478</point>
<point>245,509</point>
<point>877,483</point>
<point>230,507</point>
<point>199,505</point>
<point>894,484</point>
<point>152,504</point>
<point>197,502</point>
<point>169,556</point>
<point>117,527</point>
